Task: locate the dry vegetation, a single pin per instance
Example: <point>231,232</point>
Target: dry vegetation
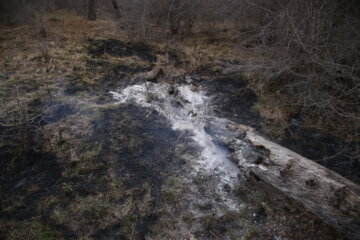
<point>307,52</point>
<point>315,61</point>
<point>299,56</point>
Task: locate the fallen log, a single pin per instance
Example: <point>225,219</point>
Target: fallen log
<point>331,197</point>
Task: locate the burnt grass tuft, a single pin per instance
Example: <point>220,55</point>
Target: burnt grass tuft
<point>48,112</point>
<point>113,74</point>
<point>29,172</point>
<point>117,76</point>
<point>142,146</point>
<point>121,49</point>
<point>114,189</point>
<point>325,149</point>
<point>137,145</point>
<point>234,100</point>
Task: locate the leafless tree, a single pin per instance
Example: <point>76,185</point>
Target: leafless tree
<point>314,48</point>
<point>91,10</point>
<point>116,8</point>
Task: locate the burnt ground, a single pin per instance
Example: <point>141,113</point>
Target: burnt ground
<point>126,159</point>
<point>128,183</point>
<point>235,101</point>
<point>325,149</point>
<point>140,144</point>
<point>113,74</point>
<point>121,49</point>
<point>111,172</point>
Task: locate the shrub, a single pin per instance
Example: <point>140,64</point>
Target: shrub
<point>315,49</point>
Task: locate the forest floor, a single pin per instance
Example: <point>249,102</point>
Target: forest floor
<point>72,161</point>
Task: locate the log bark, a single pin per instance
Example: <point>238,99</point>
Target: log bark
<point>91,10</point>
<point>331,197</point>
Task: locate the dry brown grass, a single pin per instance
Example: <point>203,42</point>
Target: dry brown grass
<point>43,63</point>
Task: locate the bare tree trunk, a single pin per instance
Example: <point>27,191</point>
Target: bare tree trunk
<point>116,7</point>
<point>91,10</point>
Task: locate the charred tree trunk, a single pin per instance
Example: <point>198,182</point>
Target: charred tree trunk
<point>116,8</point>
<point>331,197</point>
<point>323,192</point>
<point>91,10</point>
